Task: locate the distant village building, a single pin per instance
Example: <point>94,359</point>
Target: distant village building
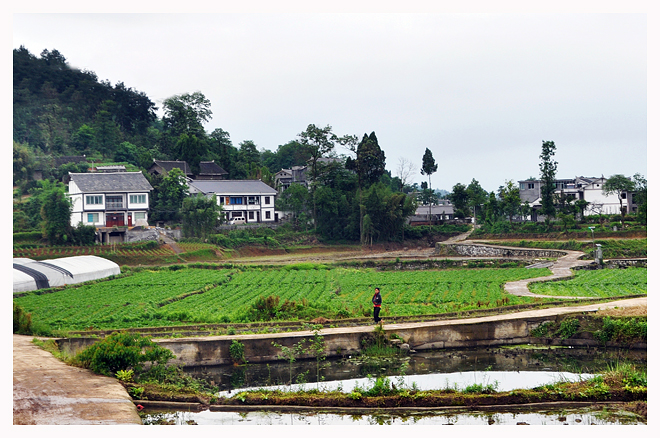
<point>589,189</point>
<point>209,170</point>
<point>163,167</point>
<point>249,201</point>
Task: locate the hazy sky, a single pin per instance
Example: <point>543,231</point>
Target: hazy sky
<point>481,91</point>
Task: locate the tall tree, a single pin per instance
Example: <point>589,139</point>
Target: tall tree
<point>509,195</point>
<point>548,168</point>
<point>459,198</point>
<point>621,186</point>
<point>56,215</point>
<point>369,165</point>
<point>223,151</point>
<point>185,114</point>
<point>639,197</point>
<point>200,215</point>
<point>477,197</point>
<point>169,193</point>
<point>191,150</point>
<point>404,170</point>
<point>318,142</point>
<point>429,167</point>
<point>294,199</point>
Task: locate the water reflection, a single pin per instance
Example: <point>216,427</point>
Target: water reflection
<point>439,417</point>
<point>470,363</point>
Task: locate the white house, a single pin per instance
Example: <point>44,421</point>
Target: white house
<point>109,199</point>
<point>589,189</point>
<point>252,200</point>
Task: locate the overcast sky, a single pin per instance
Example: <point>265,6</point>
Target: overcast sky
<point>481,91</point>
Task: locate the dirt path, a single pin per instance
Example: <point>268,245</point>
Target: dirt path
<point>560,269</point>
<point>47,391</point>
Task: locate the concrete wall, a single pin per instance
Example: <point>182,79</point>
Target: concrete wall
<point>468,333</point>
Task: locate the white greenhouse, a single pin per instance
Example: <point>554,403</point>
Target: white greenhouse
<point>32,275</point>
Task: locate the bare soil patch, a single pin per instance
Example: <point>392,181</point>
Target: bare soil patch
<point>634,311</point>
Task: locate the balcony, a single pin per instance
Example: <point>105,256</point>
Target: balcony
<point>113,205</point>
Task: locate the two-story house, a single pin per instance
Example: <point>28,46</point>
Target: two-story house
<point>285,177</point>
<point>589,189</point>
<point>252,200</point>
<point>109,199</point>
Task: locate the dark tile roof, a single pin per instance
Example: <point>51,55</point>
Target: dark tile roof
<point>169,165</point>
<point>234,187</point>
<point>210,168</point>
<point>100,182</point>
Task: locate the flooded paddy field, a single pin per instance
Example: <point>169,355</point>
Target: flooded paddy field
<point>504,369</point>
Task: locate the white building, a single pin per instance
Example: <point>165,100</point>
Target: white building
<point>251,200</point>
<point>589,189</point>
<point>109,199</point>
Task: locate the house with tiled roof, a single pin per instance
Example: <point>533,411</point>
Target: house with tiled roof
<point>210,170</point>
<point>109,199</point>
<point>589,189</point>
<point>251,201</point>
<point>163,167</point>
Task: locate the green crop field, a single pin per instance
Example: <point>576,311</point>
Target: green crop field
<point>600,283</point>
<point>192,296</point>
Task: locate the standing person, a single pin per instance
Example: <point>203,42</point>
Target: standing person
<point>377,300</point>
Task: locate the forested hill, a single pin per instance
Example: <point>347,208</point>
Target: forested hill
<point>64,111</point>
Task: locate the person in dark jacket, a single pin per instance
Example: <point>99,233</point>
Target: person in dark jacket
<point>377,300</point>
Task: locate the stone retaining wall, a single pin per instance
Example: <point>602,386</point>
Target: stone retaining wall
<point>476,250</point>
<point>214,350</point>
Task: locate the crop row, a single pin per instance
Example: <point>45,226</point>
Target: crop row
<point>189,295</point>
<point>598,283</point>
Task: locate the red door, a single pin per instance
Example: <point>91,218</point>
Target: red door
<point>114,219</point>
<point>130,219</point>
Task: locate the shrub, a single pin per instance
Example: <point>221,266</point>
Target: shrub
<point>22,321</point>
<point>568,328</point>
<point>625,330</point>
<point>237,351</point>
<point>122,351</point>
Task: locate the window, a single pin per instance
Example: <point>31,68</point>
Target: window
<point>236,214</point>
<point>623,195</point>
<point>138,199</point>
<point>253,200</point>
<point>94,200</point>
<point>92,218</point>
<point>221,200</point>
<point>268,215</point>
<point>530,185</point>
<point>114,202</point>
<point>140,215</point>
<point>251,215</point>
<point>267,200</point>
<point>235,200</point>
